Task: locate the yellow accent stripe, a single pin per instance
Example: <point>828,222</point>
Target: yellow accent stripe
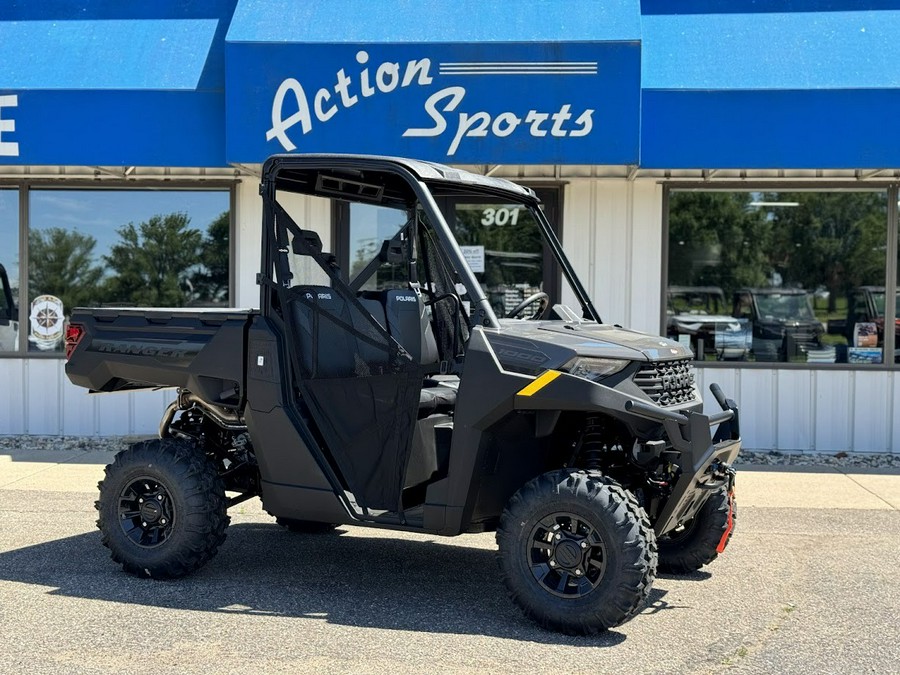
<point>539,383</point>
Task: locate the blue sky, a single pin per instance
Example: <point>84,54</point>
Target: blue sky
<point>100,213</point>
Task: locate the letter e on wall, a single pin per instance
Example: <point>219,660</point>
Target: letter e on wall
<point>8,148</point>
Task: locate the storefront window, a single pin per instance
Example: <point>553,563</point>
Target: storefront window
<point>504,248</point>
<point>778,276</point>
<point>153,248</point>
<point>9,270</point>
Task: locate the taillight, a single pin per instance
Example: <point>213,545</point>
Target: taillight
<point>74,333</point>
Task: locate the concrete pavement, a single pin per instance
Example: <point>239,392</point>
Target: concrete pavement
<point>808,585</point>
<point>766,486</point>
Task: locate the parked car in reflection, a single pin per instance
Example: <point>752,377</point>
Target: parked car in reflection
<point>866,304</point>
<point>784,324</point>
<point>700,312</point>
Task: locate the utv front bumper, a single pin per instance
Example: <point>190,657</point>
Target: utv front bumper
<point>705,460</point>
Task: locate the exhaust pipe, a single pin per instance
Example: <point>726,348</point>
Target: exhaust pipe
<point>228,420</point>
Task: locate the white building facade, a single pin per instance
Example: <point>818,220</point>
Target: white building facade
<point>623,123</point>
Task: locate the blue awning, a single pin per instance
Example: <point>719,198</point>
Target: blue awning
<point>754,86</point>
<point>470,81</point>
<point>103,83</point>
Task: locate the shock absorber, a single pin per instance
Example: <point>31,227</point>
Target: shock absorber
<point>592,443</point>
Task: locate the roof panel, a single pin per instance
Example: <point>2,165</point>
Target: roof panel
<point>421,21</point>
<point>167,54</point>
<point>770,50</point>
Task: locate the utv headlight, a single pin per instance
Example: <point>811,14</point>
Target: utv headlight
<point>592,368</point>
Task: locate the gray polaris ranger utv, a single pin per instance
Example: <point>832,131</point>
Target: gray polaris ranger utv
<point>415,407</point>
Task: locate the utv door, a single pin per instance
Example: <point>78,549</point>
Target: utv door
<point>358,385</point>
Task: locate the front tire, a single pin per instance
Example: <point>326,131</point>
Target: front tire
<point>577,552</point>
<point>700,540</point>
<point>162,509</point>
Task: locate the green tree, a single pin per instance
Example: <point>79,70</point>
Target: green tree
<point>153,263</point>
<point>717,239</point>
<point>210,281</point>
<point>62,264</point>
<point>831,239</point>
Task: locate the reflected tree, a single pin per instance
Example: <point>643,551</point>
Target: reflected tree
<point>210,281</point>
<point>154,262</point>
<point>831,239</point>
<point>62,264</point>
<point>717,239</point>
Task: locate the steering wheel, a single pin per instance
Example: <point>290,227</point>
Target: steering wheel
<point>531,299</point>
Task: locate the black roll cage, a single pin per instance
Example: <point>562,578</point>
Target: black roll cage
<point>442,179</point>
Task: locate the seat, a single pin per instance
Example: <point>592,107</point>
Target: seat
<point>436,397</point>
<point>409,325</point>
<point>326,348</point>
<point>375,308</point>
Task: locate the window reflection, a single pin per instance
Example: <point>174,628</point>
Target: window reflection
<point>9,270</point>
<point>159,248</point>
<point>798,272</point>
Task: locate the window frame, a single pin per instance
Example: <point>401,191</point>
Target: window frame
<point>892,190</point>
<point>551,195</point>
<point>25,187</point>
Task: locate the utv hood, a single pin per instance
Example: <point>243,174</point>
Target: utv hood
<point>599,340</point>
<point>603,340</point>
<point>695,322</point>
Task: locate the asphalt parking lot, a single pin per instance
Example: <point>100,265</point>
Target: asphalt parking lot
<point>810,584</point>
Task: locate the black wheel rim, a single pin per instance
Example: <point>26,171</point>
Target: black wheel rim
<point>681,532</point>
<point>566,555</point>
<point>146,512</point>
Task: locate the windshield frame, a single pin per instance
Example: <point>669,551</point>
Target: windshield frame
<point>879,301</point>
<point>804,300</point>
<point>439,188</point>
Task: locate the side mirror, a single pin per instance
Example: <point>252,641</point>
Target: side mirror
<point>394,251</point>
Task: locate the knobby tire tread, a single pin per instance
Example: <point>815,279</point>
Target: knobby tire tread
<point>683,556</point>
<point>202,519</point>
<point>631,582</point>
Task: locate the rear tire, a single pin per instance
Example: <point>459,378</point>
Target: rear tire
<point>305,526</point>
<point>162,509</point>
<point>697,543</point>
<point>577,552</point>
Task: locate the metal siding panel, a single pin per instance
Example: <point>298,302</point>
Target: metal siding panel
<point>12,396</point>
<point>872,407</point>
<point>611,229</point>
<point>248,235</point>
<point>834,399</point>
<point>576,229</point>
<point>113,414</point>
<point>645,261</point>
<point>148,410</point>
<point>758,410</point>
<point>895,427</point>
<point>794,392</point>
<point>44,414</point>
<point>78,410</point>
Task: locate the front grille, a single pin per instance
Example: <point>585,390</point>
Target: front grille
<point>667,383</point>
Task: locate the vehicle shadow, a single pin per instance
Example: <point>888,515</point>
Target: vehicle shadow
<point>699,575</point>
<point>263,570</point>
